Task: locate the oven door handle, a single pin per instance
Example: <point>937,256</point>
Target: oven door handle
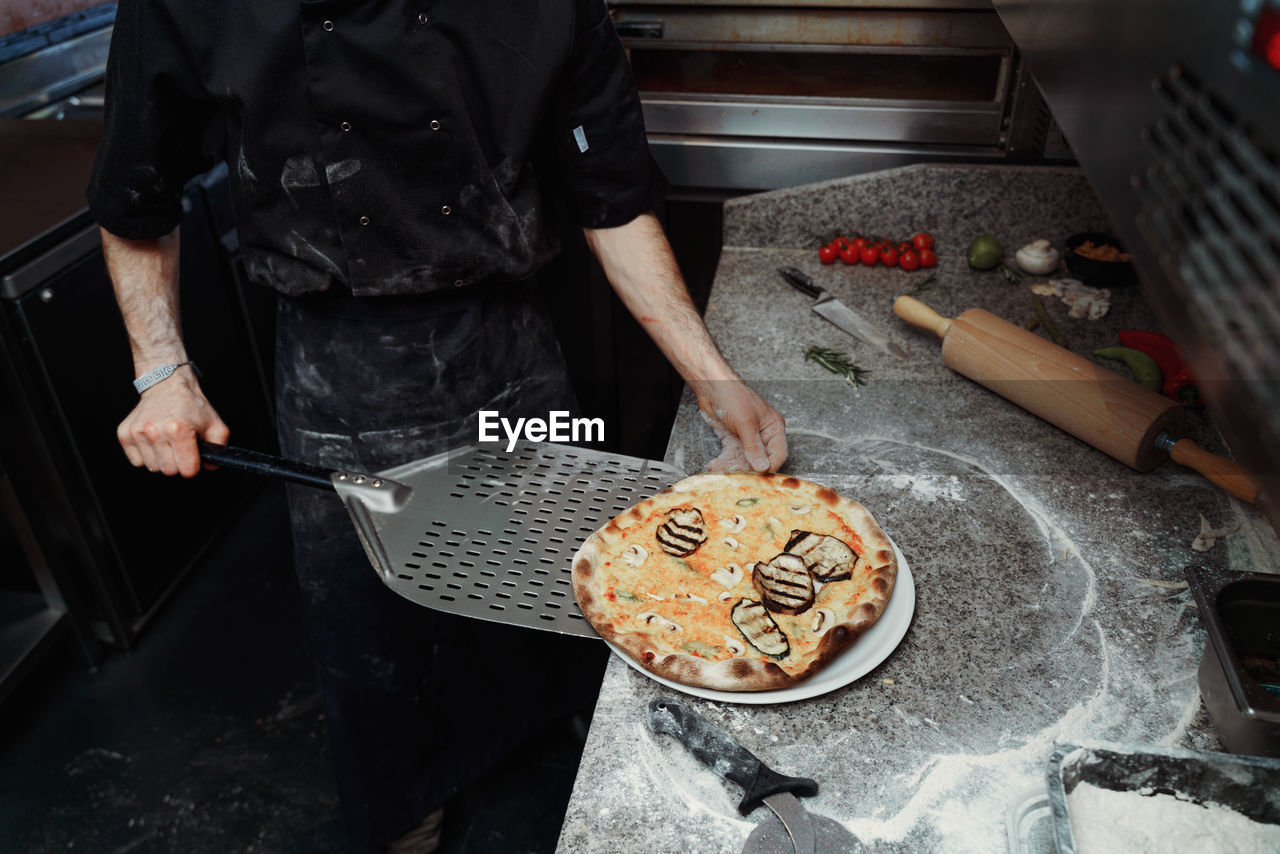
<point>638,29</point>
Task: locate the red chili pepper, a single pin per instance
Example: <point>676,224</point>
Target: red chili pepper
<point>1178,382</point>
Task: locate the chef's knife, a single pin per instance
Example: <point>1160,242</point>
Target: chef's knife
<point>830,308</point>
<point>805,833</point>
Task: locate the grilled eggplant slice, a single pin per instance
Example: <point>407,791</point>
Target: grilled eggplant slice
<point>759,629</point>
<point>785,585</point>
<point>826,557</point>
<point>682,532</point>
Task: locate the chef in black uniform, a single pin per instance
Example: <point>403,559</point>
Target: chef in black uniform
<point>388,160</point>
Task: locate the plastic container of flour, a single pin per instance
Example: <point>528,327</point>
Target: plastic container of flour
<point>1179,792</point>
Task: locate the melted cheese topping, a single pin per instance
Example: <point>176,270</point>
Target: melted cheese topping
<point>683,591</point>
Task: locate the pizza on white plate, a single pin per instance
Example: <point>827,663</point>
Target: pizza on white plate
<point>736,582</point>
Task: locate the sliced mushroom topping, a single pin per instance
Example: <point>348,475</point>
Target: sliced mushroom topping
<point>694,598</point>
<point>785,584</point>
<point>733,647</point>
<point>800,510</point>
<point>635,555</point>
<point>759,629</point>
<point>658,621</point>
<point>736,524</point>
<point>728,575</point>
<point>731,542</point>
<point>725,596</point>
<point>656,597</point>
<point>823,620</point>
<point>828,558</point>
<point>682,532</point>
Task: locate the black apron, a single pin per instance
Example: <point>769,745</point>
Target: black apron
<point>418,703</point>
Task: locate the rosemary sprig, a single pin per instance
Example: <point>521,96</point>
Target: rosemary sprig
<point>836,362</point>
<point>923,284</point>
<point>1010,275</point>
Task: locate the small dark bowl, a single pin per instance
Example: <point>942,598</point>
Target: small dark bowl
<point>1100,274</point>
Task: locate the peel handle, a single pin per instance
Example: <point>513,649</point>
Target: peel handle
<point>265,465</point>
<point>917,313</point>
<point>713,748</point>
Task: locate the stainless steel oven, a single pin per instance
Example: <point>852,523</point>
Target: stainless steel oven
<point>761,95</point>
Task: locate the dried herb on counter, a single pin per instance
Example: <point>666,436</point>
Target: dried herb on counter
<point>923,284</point>
<point>837,362</point>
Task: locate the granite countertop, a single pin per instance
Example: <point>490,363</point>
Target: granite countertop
<point>1050,603</point>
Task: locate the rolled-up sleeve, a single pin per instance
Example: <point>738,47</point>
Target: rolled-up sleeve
<point>156,126</point>
<point>607,174</point>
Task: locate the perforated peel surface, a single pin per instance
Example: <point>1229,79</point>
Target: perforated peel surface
<point>491,535</point>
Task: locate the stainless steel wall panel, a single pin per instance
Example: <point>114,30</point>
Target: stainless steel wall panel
<point>747,164</point>
<point>936,122</point>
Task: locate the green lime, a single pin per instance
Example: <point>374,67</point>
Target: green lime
<point>985,252</point>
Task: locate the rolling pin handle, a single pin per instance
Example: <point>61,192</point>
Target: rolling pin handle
<point>1221,471</point>
<point>917,313</point>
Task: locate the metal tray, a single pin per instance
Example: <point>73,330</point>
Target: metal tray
<point>1247,784</point>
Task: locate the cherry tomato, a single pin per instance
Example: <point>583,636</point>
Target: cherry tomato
<point>909,261</point>
<point>923,240</point>
<point>849,255</point>
<point>827,254</point>
<point>870,255</point>
<point>860,243</point>
<point>905,246</point>
<point>840,244</point>
<point>928,258</point>
<point>889,257</point>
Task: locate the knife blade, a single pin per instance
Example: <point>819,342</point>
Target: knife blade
<point>796,819</point>
<point>834,311</point>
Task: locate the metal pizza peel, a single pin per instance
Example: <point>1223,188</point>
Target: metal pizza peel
<point>477,531</point>
<point>792,829</point>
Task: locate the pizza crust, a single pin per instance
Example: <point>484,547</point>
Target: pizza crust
<point>874,575</point>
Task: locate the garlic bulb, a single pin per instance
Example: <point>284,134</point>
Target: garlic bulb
<point>1038,258</point>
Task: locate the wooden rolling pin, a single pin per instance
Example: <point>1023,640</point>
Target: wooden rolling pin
<point>1115,415</point>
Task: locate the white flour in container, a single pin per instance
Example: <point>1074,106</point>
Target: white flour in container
<point>1104,821</point>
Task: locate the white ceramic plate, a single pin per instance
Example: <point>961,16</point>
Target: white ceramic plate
<point>852,664</point>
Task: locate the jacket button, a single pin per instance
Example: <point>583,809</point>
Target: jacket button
<point>446,210</point>
<point>458,283</point>
<point>328,26</point>
<point>346,126</point>
<point>364,220</point>
<point>435,125</point>
<point>422,18</point>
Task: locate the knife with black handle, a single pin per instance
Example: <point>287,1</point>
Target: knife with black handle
<point>831,309</point>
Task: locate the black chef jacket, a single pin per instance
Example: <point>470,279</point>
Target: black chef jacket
<point>383,145</point>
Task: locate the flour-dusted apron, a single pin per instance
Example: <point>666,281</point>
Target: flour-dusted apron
<point>417,702</point>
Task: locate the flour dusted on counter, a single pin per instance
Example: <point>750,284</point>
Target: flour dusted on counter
<point>1109,822</point>
<point>929,488</point>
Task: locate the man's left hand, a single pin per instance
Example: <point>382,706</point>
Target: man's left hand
<point>753,433</point>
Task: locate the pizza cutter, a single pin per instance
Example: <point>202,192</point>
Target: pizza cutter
<point>792,829</point>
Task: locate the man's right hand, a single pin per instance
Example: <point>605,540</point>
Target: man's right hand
<point>161,432</point>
